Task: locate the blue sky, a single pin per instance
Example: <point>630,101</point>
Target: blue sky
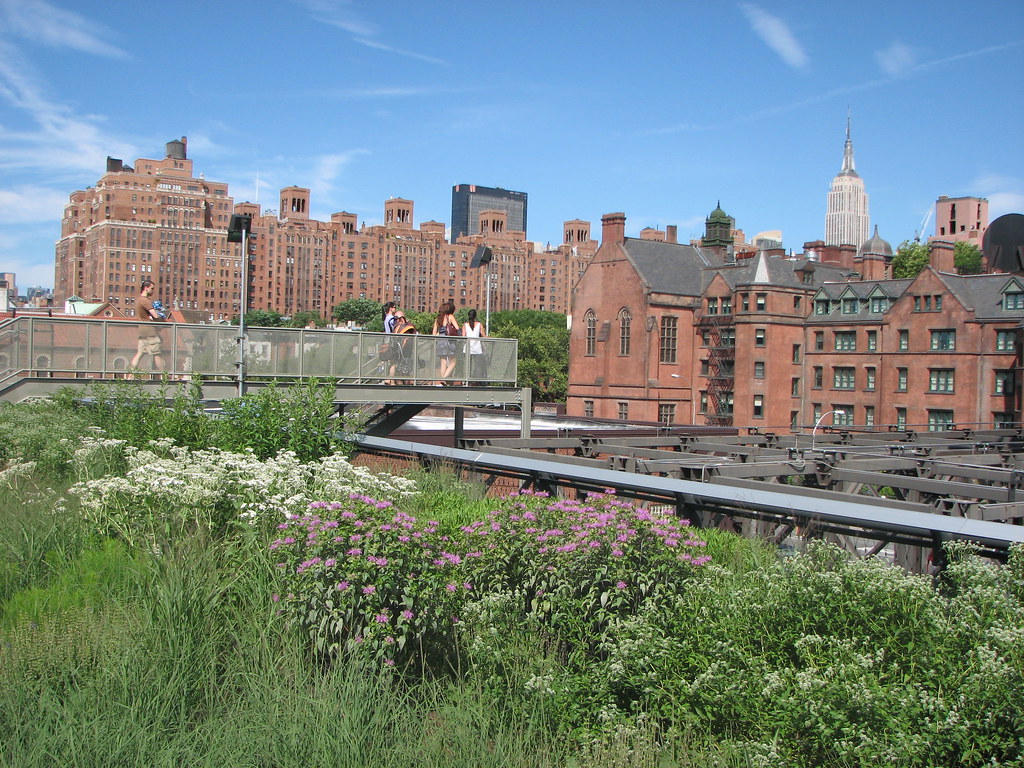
<point>656,109</point>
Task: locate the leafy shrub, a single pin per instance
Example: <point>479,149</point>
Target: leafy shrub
<point>270,420</point>
<point>36,433</point>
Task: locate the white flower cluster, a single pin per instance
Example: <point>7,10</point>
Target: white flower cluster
<point>210,485</point>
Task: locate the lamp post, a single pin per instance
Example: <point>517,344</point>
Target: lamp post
<point>482,257</point>
<point>238,232</point>
<point>821,418</point>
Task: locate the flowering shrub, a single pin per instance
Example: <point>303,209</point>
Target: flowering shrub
<point>168,490</point>
<point>360,575</point>
<point>363,577</point>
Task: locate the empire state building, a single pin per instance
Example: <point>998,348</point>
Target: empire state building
<point>846,222</point>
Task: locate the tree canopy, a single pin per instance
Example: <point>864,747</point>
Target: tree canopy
<point>967,258</point>
<point>362,312</point>
<point>910,258</point>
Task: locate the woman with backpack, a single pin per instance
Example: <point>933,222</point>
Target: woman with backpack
<point>446,325</point>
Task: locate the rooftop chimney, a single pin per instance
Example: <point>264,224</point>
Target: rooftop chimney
<point>613,228</point>
<point>671,234</point>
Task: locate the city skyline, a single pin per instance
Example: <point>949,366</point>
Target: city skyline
<point>660,117</point>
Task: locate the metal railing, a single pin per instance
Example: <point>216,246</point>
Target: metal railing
<point>94,348</point>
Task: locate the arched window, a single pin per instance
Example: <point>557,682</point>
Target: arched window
<point>624,324</point>
<point>591,320</point>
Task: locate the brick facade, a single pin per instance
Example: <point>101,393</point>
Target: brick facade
<point>684,335</point>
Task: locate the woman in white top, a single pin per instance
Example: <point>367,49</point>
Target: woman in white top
<point>473,330</point>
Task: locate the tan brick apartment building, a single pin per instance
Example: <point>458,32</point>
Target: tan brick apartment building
<point>684,334</point>
<point>158,219</point>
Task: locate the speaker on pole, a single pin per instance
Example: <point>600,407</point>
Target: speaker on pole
<point>482,256</point>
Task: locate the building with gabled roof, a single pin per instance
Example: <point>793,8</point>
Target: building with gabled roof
<point>681,334</point>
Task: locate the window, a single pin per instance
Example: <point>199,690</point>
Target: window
<point>796,353</point>
<point>940,380</point>
<point>1004,383</point>
<point>1013,300</point>
<point>944,340</point>
<point>712,306</point>
<point>940,420</point>
<point>623,410</point>
<point>818,375</point>
<point>901,379</point>
<point>703,402</point>
<point>843,416</point>
<point>762,302</point>
<point>759,337</point>
<point>759,369</point>
<point>1003,421</point>
<point>667,352</point>
<point>625,319</point>
<point>819,340</point>
<point>666,413</point>
<point>794,388</point>
<point>869,415</point>
<point>821,307</point>
<point>727,305</point>
<point>843,378</point>
<point>794,418</point>
<point>591,333</point>
<point>725,404</point>
<point>901,418</point>
<point>846,340</point>
<point>904,342</point>
<point>588,409</point>
<point>879,304</point>
<point>869,383</point>
<point>872,340</point>
<point>745,301</point>
<point>850,306</point>
<point>1006,340</point>
<point>758,412</point>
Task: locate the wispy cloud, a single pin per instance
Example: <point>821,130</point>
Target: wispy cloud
<point>329,167</point>
<point>41,22</point>
<point>777,35</point>
<point>896,60</point>
<point>1005,194</point>
<point>31,204</point>
<point>344,15</point>
<point>64,140</point>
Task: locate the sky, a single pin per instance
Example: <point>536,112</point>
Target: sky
<point>659,110</point>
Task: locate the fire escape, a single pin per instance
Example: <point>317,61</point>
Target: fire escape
<point>718,332</point>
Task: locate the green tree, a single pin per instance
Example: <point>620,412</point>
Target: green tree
<point>262,318</point>
<point>967,258</point>
<point>362,312</point>
<point>910,258</point>
<point>543,350</point>
<point>302,319</point>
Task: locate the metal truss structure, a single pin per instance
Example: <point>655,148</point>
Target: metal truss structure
<point>866,491</point>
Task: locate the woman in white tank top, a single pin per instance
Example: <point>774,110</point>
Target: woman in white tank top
<point>474,331</point>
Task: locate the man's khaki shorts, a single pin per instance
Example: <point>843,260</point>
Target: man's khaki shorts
<point>149,345</point>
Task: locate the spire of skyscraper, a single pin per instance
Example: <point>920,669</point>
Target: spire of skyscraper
<point>846,220</point>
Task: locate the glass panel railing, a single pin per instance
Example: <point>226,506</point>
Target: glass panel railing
<point>97,348</point>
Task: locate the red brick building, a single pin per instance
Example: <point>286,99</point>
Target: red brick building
<point>688,335</point>
<point>160,220</point>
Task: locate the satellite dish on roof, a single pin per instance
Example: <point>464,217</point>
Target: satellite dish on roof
<point>1003,245</point>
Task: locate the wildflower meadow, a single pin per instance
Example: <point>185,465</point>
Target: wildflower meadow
<point>209,596</point>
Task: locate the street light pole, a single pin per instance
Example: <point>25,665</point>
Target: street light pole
<point>821,418</point>
<point>238,232</point>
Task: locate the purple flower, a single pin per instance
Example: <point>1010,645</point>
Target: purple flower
<point>343,585</point>
<point>620,585</point>
<point>382,618</point>
<point>407,614</point>
<point>369,589</point>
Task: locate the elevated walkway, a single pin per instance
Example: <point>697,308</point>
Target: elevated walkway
<point>393,377</point>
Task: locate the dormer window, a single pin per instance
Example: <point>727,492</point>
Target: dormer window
<point>1013,300</point>
<point>821,306</point>
<point>850,306</point>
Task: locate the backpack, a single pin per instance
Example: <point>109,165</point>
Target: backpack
<point>454,330</point>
